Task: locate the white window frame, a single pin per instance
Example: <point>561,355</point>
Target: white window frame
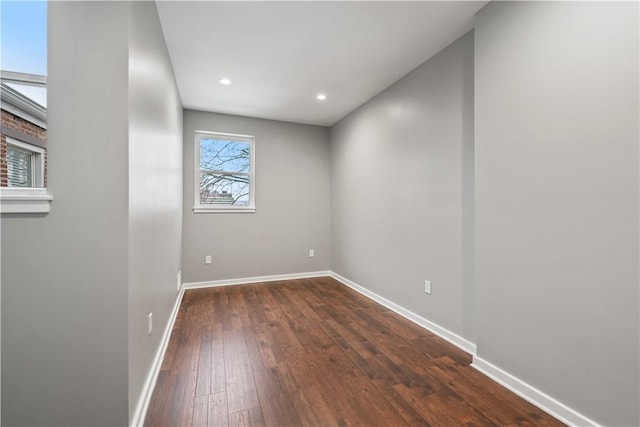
<point>27,199</point>
<point>37,160</point>
<point>249,139</point>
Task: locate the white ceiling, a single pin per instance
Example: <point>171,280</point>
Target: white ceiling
<point>280,55</point>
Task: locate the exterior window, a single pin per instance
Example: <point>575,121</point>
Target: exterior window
<point>23,81</point>
<point>224,165</point>
<point>25,164</point>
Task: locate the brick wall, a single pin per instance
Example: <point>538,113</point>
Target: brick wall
<point>23,127</point>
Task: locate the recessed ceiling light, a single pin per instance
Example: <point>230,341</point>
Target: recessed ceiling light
<point>321,97</point>
<point>225,81</point>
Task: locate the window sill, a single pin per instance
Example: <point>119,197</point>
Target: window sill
<point>25,200</point>
<point>200,209</point>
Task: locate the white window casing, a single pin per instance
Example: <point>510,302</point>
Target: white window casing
<point>25,164</point>
<point>224,173</point>
<point>24,200</point>
<point>25,173</point>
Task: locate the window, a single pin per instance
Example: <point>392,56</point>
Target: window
<point>24,179</point>
<point>23,81</point>
<point>25,164</point>
<point>224,165</point>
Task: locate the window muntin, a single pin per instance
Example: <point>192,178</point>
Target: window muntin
<point>224,172</point>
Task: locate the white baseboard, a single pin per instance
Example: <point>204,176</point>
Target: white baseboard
<point>150,383</point>
<point>257,279</point>
<point>531,394</point>
<point>444,333</point>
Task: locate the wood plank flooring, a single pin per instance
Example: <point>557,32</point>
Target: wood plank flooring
<point>312,352</point>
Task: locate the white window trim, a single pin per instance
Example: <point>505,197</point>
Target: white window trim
<point>27,199</point>
<point>24,200</point>
<point>37,161</point>
<point>197,207</point>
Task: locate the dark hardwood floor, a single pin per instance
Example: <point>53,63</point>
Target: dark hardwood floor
<point>314,352</point>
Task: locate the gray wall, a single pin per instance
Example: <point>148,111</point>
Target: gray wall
<point>64,275</point>
<point>556,185</point>
<point>557,200</point>
<point>155,190</point>
<point>78,283</point>
<point>401,182</point>
<point>292,204</point>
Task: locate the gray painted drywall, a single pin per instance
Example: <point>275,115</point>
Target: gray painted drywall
<point>155,191</point>
<point>76,298</point>
<point>292,204</point>
<point>557,200</point>
<point>64,279</point>
<point>401,183</point>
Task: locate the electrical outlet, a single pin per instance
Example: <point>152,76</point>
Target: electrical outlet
<point>427,287</point>
<point>312,253</point>
<point>150,323</point>
<point>207,259</point>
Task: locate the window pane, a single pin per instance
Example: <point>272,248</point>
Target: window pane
<point>19,173</point>
<point>221,155</point>
<point>224,190</point>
